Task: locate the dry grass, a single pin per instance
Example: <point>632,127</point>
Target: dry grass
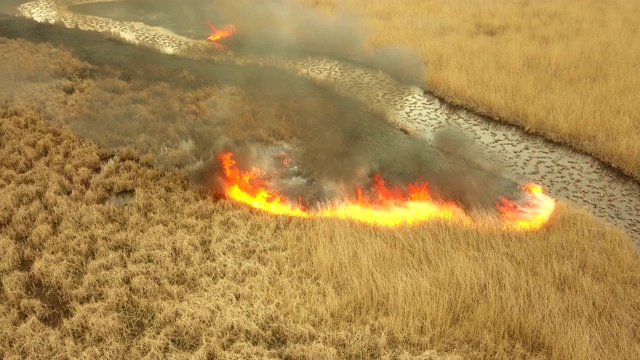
<point>565,69</point>
<point>175,273</point>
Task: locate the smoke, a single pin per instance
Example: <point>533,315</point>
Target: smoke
<point>182,113</point>
<point>287,25</point>
<point>275,26</point>
<point>332,146</point>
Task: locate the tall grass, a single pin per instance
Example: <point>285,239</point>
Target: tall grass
<point>176,273</point>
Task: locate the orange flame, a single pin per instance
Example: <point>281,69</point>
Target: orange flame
<point>389,207</point>
<point>532,215</point>
<point>219,34</point>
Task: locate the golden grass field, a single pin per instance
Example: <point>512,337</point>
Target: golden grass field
<point>177,273</point>
<point>174,273</point>
<point>564,69</point>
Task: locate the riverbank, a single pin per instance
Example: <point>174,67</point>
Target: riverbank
<point>562,69</point>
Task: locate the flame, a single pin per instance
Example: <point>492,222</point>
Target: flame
<point>530,214</point>
<point>248,188</point>
<point>387,207</point>
<point>392,207</point>
<point>219,34</point>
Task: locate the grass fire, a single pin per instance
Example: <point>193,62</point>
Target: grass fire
<point>160,198</point>
<point>219,34</point>
<point>380,205</point>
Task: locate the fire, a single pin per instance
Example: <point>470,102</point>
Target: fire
<point>219,34</point>
<point>381,205</point>
<point>530,215</point>
<point>246,187</point>
<point>392,207</point>
<point>388,207</point>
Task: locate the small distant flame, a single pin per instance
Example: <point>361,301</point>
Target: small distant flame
<point>219,34</point>
<point>381,205</point>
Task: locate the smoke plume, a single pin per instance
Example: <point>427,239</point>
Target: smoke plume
<point>276,26</point>
<point>181,113</point>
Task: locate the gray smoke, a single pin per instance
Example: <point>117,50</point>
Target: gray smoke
<point>275,26</point>
<point>287,25</point>
<point>182,113</point>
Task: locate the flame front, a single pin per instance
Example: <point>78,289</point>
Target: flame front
<point>246,187</point>
<point>392,207</point>
<point>219,34</point>
<point>388,207</point>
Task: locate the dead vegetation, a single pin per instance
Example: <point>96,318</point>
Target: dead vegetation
<point>564,69</point>
<point>174,273</point>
